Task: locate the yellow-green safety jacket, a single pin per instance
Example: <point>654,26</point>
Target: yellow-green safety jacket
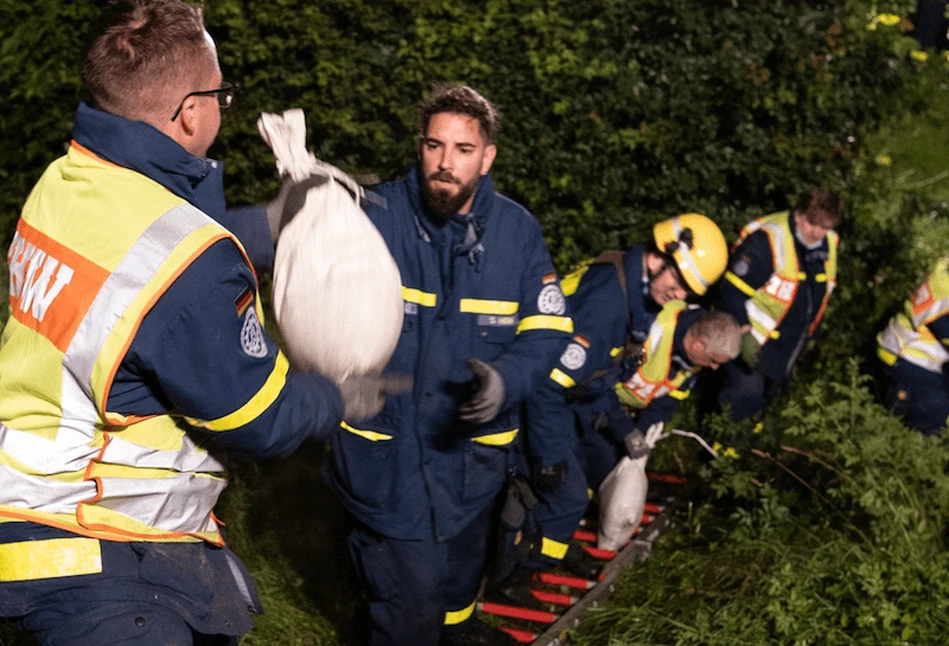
<point>767,306</point>
<point>76,302</point>
<point>907,335</point>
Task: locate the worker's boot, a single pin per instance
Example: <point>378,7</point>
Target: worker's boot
<point>576,562</point>
<point>514,590</point>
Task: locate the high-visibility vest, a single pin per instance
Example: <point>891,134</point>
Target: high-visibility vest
<point>652,379</point>
<point>96,246</point>
<point>768,305</point>
<point>908,336</point>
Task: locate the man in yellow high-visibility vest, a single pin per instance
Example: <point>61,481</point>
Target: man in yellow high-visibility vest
<point>780,278</point>
<point>914,348</point>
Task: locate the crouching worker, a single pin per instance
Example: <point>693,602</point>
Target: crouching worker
<point>914,349</point>
<point>613,301</point>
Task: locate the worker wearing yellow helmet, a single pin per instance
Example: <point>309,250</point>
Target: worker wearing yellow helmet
<point>781,276</point>
<point>614,301</point>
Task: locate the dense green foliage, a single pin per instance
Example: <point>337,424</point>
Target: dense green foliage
<point>617,114</point>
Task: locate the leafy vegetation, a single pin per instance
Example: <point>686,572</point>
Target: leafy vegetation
<point>828,526</point>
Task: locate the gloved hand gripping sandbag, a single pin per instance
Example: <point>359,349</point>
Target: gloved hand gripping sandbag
<point>623,497</point>
<point>337,292</point>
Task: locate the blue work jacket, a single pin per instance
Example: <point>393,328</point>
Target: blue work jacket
<point>480,286</point>
<point>579,388</point>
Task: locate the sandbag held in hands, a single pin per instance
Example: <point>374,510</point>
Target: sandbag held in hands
<point>337,292</point>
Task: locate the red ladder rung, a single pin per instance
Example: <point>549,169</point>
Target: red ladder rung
<point>570,581</point>
<point>665,477</point>
<point>603,555</point>
<point>583,535</point>
<point>514,612</point>
<point>554,597</point>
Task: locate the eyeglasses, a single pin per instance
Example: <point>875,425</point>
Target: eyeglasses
<point>225,97</point>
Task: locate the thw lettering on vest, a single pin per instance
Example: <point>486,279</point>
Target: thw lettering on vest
<point>780,288</point>
<point>51,286</point>
<point>36,278</point>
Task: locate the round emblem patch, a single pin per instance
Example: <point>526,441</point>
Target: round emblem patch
<point>740,267</point>
<point>551,300</point>
<point>574,356</point>
<point>252,336</point>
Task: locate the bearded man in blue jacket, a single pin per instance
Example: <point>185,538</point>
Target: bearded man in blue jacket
<point>484,318</point>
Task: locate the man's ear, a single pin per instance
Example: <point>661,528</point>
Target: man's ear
<point>489,154</point>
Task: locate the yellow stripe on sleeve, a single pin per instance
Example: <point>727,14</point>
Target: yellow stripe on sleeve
<point>497,439</point>
<point>562,378</point>
<point>739,283</point>
<point>544,322</point>
<point>260,402</point>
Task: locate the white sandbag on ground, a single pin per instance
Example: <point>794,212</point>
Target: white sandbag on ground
<point>623,498</point>
<point>337,292</point>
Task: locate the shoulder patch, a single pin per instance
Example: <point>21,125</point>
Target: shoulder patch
<point>551,300</point>
<point>549,278</point>
<point>252,336</point>
<point>243,301</point>
<point>740,267</point>
<point>574,356</point>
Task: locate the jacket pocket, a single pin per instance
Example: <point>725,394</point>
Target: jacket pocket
<point>488,456</point>
<point>367,462</point>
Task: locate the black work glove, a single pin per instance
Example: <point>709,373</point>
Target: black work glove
<point>549,478</point>
<point>365,395</point>
<point>750,350</point>
<point>636,446</point>
<point>290,201</point>
<point>487,400</point>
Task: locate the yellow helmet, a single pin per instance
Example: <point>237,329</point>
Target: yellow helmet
<point>698,247</point>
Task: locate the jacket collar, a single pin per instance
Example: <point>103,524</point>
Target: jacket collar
<point>141,147</point>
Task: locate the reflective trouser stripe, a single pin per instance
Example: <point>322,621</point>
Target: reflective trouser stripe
<point>455,617</point>
<point>55,557</point>
<point>553,549</point>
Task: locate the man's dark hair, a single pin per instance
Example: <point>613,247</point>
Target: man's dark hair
<point>141,53</point>
<point>820,207</point>
<point>460,99</point>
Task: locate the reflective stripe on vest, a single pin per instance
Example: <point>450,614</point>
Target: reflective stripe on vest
<point>651,380</point>
<point>768,306</point>
<point>65,460</point>
<point>907,336</point>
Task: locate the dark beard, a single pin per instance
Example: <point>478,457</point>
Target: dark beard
<point>441,203</point>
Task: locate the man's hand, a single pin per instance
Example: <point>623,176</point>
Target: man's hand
<point>290,201</point>
<point>636,446</point>
<point>364,396</point>
<point>487,400</point>
<point>549,478</point>
<point>750,350</point>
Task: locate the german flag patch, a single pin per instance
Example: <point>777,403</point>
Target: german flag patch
<point>582,340</point>
<point>549,278</point>
<point>243,301</point>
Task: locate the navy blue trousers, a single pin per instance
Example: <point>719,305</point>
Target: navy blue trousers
<point>421,590</point>
<point>917,395</point>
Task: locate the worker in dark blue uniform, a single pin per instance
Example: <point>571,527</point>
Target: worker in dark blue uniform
<point>782,273</point>
<point>614,301</point>
<point>135,359</point>
<point>484,319</point>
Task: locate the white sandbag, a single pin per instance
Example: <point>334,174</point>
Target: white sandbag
<point>623,497</point>
<point>337,292</point>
